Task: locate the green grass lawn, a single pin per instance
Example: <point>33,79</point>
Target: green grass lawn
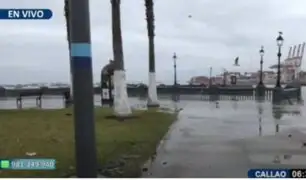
<point>50,133</point>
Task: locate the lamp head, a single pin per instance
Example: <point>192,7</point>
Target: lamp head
<point>280,39</point>
<point>174,56</point>
<point>262,51</point>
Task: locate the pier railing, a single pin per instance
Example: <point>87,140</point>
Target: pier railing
<point>182,91</point>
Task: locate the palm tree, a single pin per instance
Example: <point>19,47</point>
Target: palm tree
<point>152,92</point>
<point>121,103</point>
<point>66,11</point>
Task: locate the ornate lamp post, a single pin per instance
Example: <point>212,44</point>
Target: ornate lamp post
<point>261,52</point>
<point>280,42</point>
<point>260,90</point>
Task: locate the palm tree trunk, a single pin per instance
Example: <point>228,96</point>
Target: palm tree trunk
<point>66,9</point>
<point>121,103</point>
<point>152,93</point>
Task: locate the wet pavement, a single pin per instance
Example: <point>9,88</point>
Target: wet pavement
<point>227,138</point>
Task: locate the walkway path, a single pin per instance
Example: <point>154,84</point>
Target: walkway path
<point>225,142</point>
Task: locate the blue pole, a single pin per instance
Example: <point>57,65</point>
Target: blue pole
<point>85,147</point>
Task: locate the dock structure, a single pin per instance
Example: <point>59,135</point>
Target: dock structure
<point>291,66</point>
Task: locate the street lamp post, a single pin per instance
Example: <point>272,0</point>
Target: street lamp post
<point>175,93</point>
<point>261,52</point>
<point>277,93</point>
<point>174,67</point>
<point>260,90</point>
<point>83,109</point>
<point>280,42</point>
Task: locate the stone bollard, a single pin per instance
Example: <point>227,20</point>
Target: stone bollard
<point>260,92</point>
<point>277,95</point>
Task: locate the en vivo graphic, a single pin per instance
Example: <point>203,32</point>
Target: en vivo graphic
<point>25,14</point>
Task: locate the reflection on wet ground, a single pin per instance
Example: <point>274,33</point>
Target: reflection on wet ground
<point>220,139</point>
<point>227,138</point>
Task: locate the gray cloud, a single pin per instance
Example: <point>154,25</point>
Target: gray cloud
<point>219,30</point>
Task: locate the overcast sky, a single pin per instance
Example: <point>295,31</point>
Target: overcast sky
<point>219,30</point>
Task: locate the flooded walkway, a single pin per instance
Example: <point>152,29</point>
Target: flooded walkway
<point>229,138</point>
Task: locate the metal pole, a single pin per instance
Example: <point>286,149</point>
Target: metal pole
<point>85,147</point>
<point>174,66</point>
<point>278,67</point>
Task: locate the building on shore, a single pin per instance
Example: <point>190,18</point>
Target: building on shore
<point>204,80</point>
<point>290,72</point>
<point>199,80</point>
<point>247,78</point>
